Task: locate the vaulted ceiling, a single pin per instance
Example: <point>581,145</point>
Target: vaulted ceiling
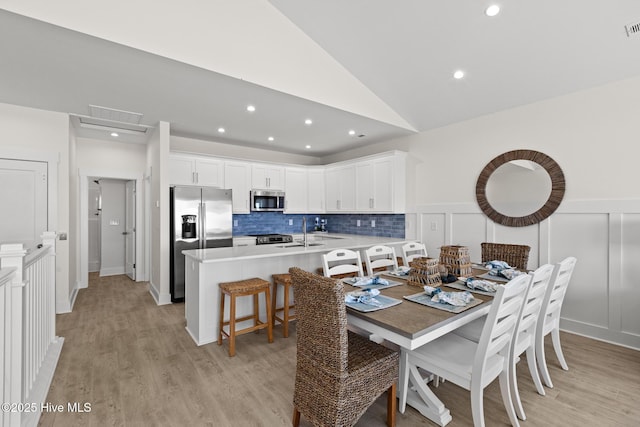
<point>382,69</point>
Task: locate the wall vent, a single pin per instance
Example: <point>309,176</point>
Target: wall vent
<point>632,29</point>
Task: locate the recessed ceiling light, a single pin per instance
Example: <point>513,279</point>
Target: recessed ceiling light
<point>114,134</point>
<point>251,108</point>
<point>492,10</point>
<point>221,130</point>
<point>308,122</point>
<point>458,74</point>
<point>271,138</point>
<point>307,146</point>
<point>352,132</point>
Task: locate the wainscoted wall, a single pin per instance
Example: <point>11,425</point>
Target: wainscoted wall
<point>603,299</point>
<point>386,225</point>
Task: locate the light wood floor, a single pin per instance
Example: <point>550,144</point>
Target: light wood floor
<point>136,365</point>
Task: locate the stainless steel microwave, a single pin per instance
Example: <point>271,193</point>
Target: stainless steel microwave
<point>267,200</point>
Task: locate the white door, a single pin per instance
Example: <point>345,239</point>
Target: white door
<point>23,192</point>
<point>130,230</point>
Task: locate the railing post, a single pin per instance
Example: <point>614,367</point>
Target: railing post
<point>12,255</point>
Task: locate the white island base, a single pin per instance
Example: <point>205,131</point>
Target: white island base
<point>206,268</point>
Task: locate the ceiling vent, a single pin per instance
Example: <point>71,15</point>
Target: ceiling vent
<point>114,115</point>
<point>109,119</point>
<point>632,29</point>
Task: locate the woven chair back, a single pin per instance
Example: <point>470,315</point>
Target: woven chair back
<point>516,256</point>
<point>322,321</point>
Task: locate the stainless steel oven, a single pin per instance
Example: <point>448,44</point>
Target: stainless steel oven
<point>266,200</point>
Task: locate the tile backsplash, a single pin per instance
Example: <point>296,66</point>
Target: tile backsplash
<point>381,225</point>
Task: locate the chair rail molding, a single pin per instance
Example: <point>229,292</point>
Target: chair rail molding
<point>604,235</point>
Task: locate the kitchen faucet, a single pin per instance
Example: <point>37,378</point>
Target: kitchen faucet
<point>304,230</point>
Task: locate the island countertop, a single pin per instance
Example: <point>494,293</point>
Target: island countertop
<point>320,242</point>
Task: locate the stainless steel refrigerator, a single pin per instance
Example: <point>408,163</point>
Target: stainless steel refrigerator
<point>201,217</point>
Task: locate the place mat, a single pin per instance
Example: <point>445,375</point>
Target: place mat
<point>396,273</point>
<point>424,299</point>
<point>351,280</point>
<point>384,300</point>
<point>493,278</point>
<point>463,287</point>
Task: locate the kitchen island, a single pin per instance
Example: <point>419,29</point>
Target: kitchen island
<point>206,268</point>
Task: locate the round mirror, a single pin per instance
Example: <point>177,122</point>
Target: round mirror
<point>520,188</point>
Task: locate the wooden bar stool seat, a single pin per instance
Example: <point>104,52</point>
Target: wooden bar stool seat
<point>249,287</point>
<point>285,281</point>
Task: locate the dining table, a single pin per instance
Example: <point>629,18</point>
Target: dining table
<point>410,325</point>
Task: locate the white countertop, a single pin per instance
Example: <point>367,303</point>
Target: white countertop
<point>327,242</point>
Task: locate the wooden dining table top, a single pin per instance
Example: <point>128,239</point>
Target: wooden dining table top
<point>411,319</point>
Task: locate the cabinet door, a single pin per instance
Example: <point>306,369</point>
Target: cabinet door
<point>209,172</point>
<point>365,181</point>
<point>382,190</point>
<point>295,190</point>
<point>181,171</point>
<point>237,177</point>
<point>268,177</point>
<point>348,188</point>
<point>315,191</point>
<point>341,189</point>
<point>332,180</point>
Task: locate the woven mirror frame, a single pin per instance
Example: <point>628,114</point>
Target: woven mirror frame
<point>550,206</point>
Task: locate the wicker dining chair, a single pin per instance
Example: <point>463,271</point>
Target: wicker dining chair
<point>339,374</point>
<point>516,256</point>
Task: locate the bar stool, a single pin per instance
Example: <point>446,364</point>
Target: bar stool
<point>285,281</point>
<point>254,286</point>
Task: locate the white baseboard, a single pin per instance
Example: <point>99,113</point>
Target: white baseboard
<point>111,271</point>
<point>161,299</point>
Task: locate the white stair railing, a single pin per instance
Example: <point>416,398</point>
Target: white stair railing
<point>33,349</point>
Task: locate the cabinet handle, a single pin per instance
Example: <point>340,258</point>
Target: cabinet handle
<point>193,177</point>
<point>371,203</point>
<point>197,178</point>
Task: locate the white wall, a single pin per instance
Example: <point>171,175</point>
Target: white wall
<point>38,134</point>
<point>112,155</point>
<point>157,162</point>
<point>112,227</point>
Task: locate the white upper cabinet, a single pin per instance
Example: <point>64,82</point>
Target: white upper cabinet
<point>375,185</point>
<point>341,188</point>
<point>267,177</point>
<point>315,190</point>
<point>184,170</point>
<point>237,176</point>
<point>295,188</point>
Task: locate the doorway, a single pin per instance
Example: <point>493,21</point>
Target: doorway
<point>118,208</point>
<point>112,211</point>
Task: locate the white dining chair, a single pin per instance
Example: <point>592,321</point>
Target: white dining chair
<point>468,364</point>
<point>524,338</point>
<point>380,256</point>
<point>341,262</point>
<point>411,251</point>
<point>549,319</point>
